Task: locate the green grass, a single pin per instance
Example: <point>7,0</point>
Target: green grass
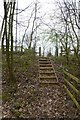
<point>0,97</point>
<point>5,97</point>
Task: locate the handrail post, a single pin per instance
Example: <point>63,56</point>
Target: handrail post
<point>39,51</point>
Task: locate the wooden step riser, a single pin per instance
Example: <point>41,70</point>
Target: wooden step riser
<point>47,65</point>
<point>47,74</point>
<point>47,78</point>
<point>48,83</point>
<point>46,68</point>
<point>44,60</point>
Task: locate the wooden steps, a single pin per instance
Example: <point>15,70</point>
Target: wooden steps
<point>49,82</point>
<point>47,77</point>
<point>47,73</point>
<point>44,62</point>
<point>45,65</point>
<point>46,68</point>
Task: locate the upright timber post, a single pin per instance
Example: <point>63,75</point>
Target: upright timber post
<point>61,51</point>
<point>21,48</point>
<point>39,51</point>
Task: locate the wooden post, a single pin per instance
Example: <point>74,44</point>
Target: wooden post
<point>56,51</point>
<point>21,48</point>
<point>39,51</point>
<point>61,51</point>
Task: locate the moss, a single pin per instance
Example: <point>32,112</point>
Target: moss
<point>5,97</point>
<point>17,105</point>
<point>0,97</point>
<point>16,112</point>
<point>34,98</point>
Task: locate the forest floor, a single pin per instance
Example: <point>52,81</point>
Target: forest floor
<point>30,99</point>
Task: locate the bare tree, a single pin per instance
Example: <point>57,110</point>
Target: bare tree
<point>8,35</point>
<point>30,33</point>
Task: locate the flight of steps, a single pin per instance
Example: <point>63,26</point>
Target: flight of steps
<point>47,73</point>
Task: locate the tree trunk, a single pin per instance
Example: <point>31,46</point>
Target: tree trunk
<point>6,36</point>
<point>13,8</point>
<point>9,36</point>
